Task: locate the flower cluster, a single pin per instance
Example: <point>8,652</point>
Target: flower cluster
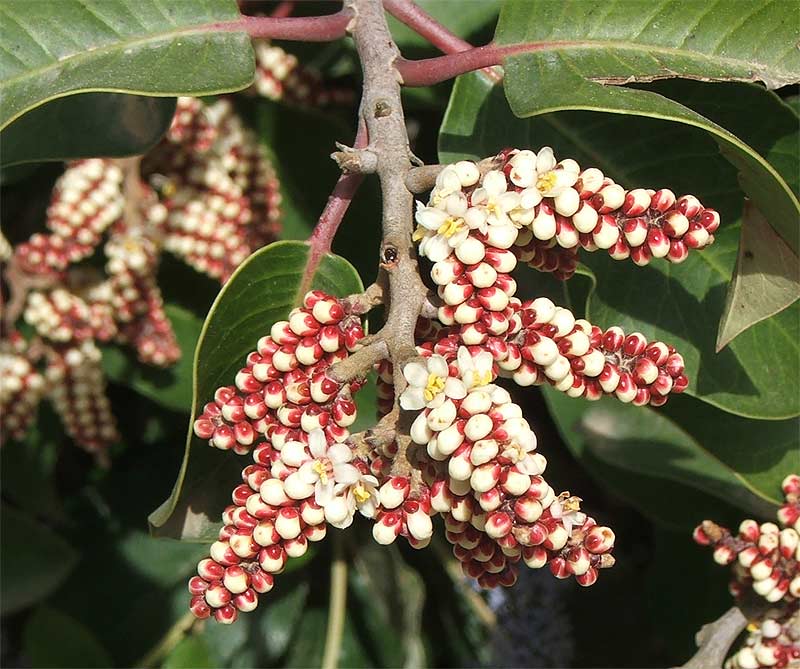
<point>766,561</point>
<point>281,77</point>
<point>293,418</point>
<point>469,455</point>
<point>207,193</point>
<point>21,389</point>
<point>546,210</point>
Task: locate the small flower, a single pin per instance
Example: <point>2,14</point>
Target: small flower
<point>520,447</point>
<point>328,467</point>
<point>568,510</point>
<point>447,183</point>
<point>476,370</point>
<point>439,231</point>
<point>429,384</point>
<point>360,494</point>
<point>495,199</point>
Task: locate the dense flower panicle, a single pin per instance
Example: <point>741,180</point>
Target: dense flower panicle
<point>293,419</point>
<point>546,210</point>
<point>77,388</point>
<point>280,77</point>
<point>547,343</point>
<point>766,556</point>
<point>218,187</point>
<point>774,641</point>
<point>86,200</point>
<point>21,388</point>
<point>283,386</point>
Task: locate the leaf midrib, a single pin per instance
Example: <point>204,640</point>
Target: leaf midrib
<point>90,54</point>
<point>568,46</point>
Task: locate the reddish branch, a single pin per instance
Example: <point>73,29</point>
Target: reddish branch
<point>301,28</point>
<point>426,26</point>
<point>338,203</point>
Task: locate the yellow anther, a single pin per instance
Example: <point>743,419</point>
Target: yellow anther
<point>434,386</point>
<point>361,494</point>
<point>547,181</point>
<point>450,227</point>
<point>321,471</point>
<point>418,234</point>
<point>479,379</point>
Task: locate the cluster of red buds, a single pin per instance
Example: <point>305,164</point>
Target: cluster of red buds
<point>293,418</point>
<point>281,77</point>
<point>766,561</point>
<point>21,389</point>
<point>207,193</point>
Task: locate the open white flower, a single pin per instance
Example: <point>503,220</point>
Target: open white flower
<point>494,198</point>
<point>440,231</point>
<point>447,182</point>
<point>521,446</point>
<point>476,370</point>
<point>361,494</point>
<point>568,510</point>
<point>328,466</point>
<point>429,384</point>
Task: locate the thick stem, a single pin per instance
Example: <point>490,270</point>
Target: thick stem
<point>301,28</point>
<point>382,111</point>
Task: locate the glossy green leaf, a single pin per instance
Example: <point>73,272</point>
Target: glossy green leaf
<point>53,49</point>
<point>756,375</point>
<point>695,444</point>
<point>35,560</point>
<point>677,497</point>
<point>54,639</point>
<point>87,125</point>
<point>191,653</point>
<point>170,387</point>
<point>262,290</point>
<point>765,281</point>
<point>277,625</point>
<point>639,41</point>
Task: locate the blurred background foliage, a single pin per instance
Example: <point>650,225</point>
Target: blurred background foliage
<point>84,584</point>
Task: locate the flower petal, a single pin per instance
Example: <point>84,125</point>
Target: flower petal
<point>347,474</point>
<point>307,473</point>
<point>455,388</point>
<point>437,248</point>
<point>317,443</point>
<point>323,492</point>
<point>412,399</point>
<point>339,453</point>
<point>437,365</point>
<point>416,374</point>
<point>495,182</point>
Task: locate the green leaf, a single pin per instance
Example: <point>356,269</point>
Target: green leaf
<point>77,126</point>
<point>639,41</point>
<point>389,598</point>
<point>170,387</point>
<point>735,459</point>
<point>262,290</point>
<point>54,639</point>
<point>283,612</point>
<point>766,279</point>
<point>191,653</point>
<point>668,500</point>
<point>53,49</point>
<point>756,375</point>
<point>35,560</point>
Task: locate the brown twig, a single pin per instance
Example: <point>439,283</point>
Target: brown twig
<point>714,640</point>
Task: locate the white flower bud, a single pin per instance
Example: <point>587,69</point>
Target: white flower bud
<point>478,427</point>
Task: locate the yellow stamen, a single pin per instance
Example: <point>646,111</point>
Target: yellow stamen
<point>479,379</point>
<point>418,234</point>
<point>169,189</point>
<point>547,181</point>
<point>361,494</point>
<point>450,227</point>
<point>434,386</point>
<point>319,469</point>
